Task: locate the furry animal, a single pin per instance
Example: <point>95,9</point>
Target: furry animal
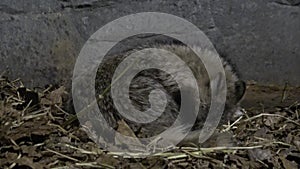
<point>150,79</point>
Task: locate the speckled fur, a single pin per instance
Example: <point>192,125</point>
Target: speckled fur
<point>146,81</point>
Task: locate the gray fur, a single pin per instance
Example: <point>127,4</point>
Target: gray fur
<point>149,80</point>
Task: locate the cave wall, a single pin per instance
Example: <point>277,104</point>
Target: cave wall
<point>41,39</point>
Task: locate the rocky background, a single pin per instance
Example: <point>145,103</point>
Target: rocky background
<point>41,39</point>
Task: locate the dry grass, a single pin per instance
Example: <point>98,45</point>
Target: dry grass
<point>32,135</point>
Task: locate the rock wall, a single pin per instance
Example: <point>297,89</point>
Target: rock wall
<point>41,39</point>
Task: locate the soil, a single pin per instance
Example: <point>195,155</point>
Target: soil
<point>34,134</point>
<point>269,97</point>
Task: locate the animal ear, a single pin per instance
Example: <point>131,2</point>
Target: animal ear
<point>240,89</point>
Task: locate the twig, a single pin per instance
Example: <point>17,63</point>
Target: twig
<point>62,155</point>
<point>235,122</point>
<point>63,167</point>
<point>94,165</point>
<point>266,114</point>
<point>58,126</point>
<point>46,90</point>
<point>14,143</point>
<point>27,106</point>
<point>60,109</point>
<point>41,110</point>
<point>53,163</point>
<point>33,116</point>
<point>202,157</point>
<point>63,130</point>
<point>82,150</point>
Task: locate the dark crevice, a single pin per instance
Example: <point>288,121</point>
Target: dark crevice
<point>86,5</point>
<point>287,3</point>
<point>64,5</point>
<point>211,27</point>
<point>80,6</point>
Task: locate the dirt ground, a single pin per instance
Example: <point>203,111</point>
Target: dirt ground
<point>267,135</point>
<point>268,98</point>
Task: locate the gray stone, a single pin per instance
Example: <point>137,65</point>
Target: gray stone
<point>41,39</point>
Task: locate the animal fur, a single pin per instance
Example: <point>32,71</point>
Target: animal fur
<point>151,79</point>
